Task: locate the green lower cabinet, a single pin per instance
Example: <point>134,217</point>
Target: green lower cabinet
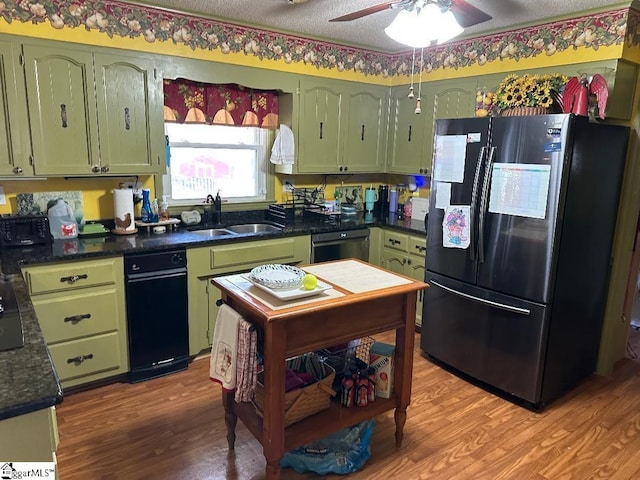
<point>405,254</point>
<point>84,320</point>
<point>32,437</point>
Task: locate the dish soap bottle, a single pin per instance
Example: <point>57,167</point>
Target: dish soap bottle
<point>147,213</point>
<point>164,208</point>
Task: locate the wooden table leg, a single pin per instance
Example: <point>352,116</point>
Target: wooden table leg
<point>403,359</point>
<point>273,414</point>
<point>400,416</point>
<point>230,418</point>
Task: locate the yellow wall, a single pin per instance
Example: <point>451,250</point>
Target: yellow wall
<point>96,192</point>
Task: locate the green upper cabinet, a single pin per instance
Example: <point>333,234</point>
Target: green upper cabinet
<point>62,110</point>
<point>364,138</point>
<point>14,127</point>
<point>93,113</point>
<point>407,131</point>
<point>319,127</point>
<point>341,127</point>
<point>446,99</point>
<point>130,117</point>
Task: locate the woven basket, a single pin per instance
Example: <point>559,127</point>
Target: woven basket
<point>524,111</point>
<point>302,402</point>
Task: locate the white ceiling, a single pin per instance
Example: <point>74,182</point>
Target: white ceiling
<point>310,18</point>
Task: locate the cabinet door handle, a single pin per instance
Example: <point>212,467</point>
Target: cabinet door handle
<point>80,358</point>
<point>17,170</point>
<point>404,261</point>
<point>362,134</point>
<point>95,169</point>
<point>420,248</point>
<point>409,139</point>
<point>63,115</point>
<point>127,120</point>
<point>393,241</point>
<point>321,126</point>
<point>76,318</point>
<point>104,169</point>
<point>74,278</point>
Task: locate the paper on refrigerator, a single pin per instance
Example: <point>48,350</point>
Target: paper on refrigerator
<point>443,195</point>
<point>455,226</point>
<point>520,189</point>
<point>449,158</point>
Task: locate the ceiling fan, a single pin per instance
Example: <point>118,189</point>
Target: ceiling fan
<point>466,15</point>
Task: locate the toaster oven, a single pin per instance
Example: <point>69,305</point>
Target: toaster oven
<point>23,230</point>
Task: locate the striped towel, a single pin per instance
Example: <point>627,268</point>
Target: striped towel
<point>246,366</point>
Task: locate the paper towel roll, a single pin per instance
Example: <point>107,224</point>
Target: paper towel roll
<point>123,209</point>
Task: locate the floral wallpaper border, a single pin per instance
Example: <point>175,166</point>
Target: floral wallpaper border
<point>115,18</point>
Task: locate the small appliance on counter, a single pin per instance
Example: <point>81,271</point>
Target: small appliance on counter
<point>24,230</point>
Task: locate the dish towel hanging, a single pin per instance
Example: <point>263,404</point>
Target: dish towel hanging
<point>283,150</point>
<point>224,349</point>
<point>247,374</point>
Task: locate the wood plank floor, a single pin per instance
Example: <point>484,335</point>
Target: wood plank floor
<point>173,428</point>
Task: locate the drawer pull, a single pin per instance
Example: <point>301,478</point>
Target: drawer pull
<point>76,318</point>
<point>79,359</point>
<point>393,241</point>
<point>74,278</point>
<point>420,248</point>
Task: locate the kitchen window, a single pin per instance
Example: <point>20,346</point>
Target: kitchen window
<point>219,137</point>
<point>203,159</point>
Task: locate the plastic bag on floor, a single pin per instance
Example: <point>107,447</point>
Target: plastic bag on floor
<point>342,452</point>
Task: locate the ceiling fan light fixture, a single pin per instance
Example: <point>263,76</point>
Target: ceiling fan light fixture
<point>407,29</point>
<point>420,27</point>
<point>448,27</point>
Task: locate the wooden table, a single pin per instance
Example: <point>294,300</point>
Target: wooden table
<point>298,329</point>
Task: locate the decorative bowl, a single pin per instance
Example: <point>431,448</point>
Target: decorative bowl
<point>278,277</point>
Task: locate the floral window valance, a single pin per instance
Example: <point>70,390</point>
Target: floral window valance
<point>186,101</point>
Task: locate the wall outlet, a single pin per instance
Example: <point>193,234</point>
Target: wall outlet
<point>137,189</point>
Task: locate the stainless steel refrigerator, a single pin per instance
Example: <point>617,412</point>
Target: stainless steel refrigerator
<point>519,238</point>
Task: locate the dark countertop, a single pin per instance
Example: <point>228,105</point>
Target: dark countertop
<point>27,375</point>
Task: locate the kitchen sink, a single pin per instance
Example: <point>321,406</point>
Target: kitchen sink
<point>214,232</point>
<point>254,228</point>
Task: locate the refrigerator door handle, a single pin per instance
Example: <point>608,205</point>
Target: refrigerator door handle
<point>503,306</point>
<point>474,201</point>
<point>484,198</point>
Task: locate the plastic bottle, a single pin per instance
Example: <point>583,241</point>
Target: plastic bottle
<point>164,208</point>
<point>371,391</point>
<point>347,396</point>
<point>62,222</point>
<point>362,389</point>
<point>408,208</point>
<point>393,200</point>
<point>146,213</point>
<point>155,211</point>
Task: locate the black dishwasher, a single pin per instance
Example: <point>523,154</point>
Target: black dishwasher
<point>156,290</point>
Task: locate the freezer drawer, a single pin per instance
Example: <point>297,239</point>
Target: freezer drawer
<point>494,338</point>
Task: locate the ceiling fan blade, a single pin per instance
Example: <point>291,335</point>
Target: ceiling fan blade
<point>468,15</point>
<point>369,10</point>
